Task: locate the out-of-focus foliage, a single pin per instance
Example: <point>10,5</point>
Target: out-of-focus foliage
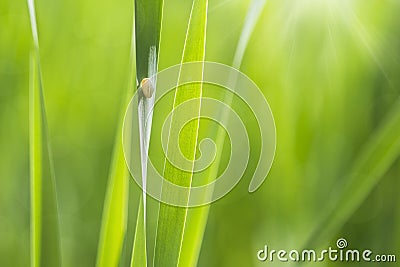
<point>329,70</point>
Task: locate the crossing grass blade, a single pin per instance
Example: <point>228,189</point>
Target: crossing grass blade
<point>172,220</point>
<point>45,240</point>
<point>194,231</point>
<point>374,161</point>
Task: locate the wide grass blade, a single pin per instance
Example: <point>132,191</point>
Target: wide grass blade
<point>45,240</point>
<point>172,220</point>
<point>374,161</point>
<point>197,217</point>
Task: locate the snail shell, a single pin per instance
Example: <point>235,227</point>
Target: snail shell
<point>147,87</point>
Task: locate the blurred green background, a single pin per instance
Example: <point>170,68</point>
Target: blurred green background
<point>329,69</point>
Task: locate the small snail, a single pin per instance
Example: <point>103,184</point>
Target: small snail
<point>147,87</point>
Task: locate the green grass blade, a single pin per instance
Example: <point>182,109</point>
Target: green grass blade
<point>172,220</point>
<point>44,212</point>
<point>148,18</point>
<point>114,219</point>
<point>194,231</point>
<point>252,16</point>
<point>115,212</point>
<point>374,161</point>
<point>45,240</point>
<point>139,255</point>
